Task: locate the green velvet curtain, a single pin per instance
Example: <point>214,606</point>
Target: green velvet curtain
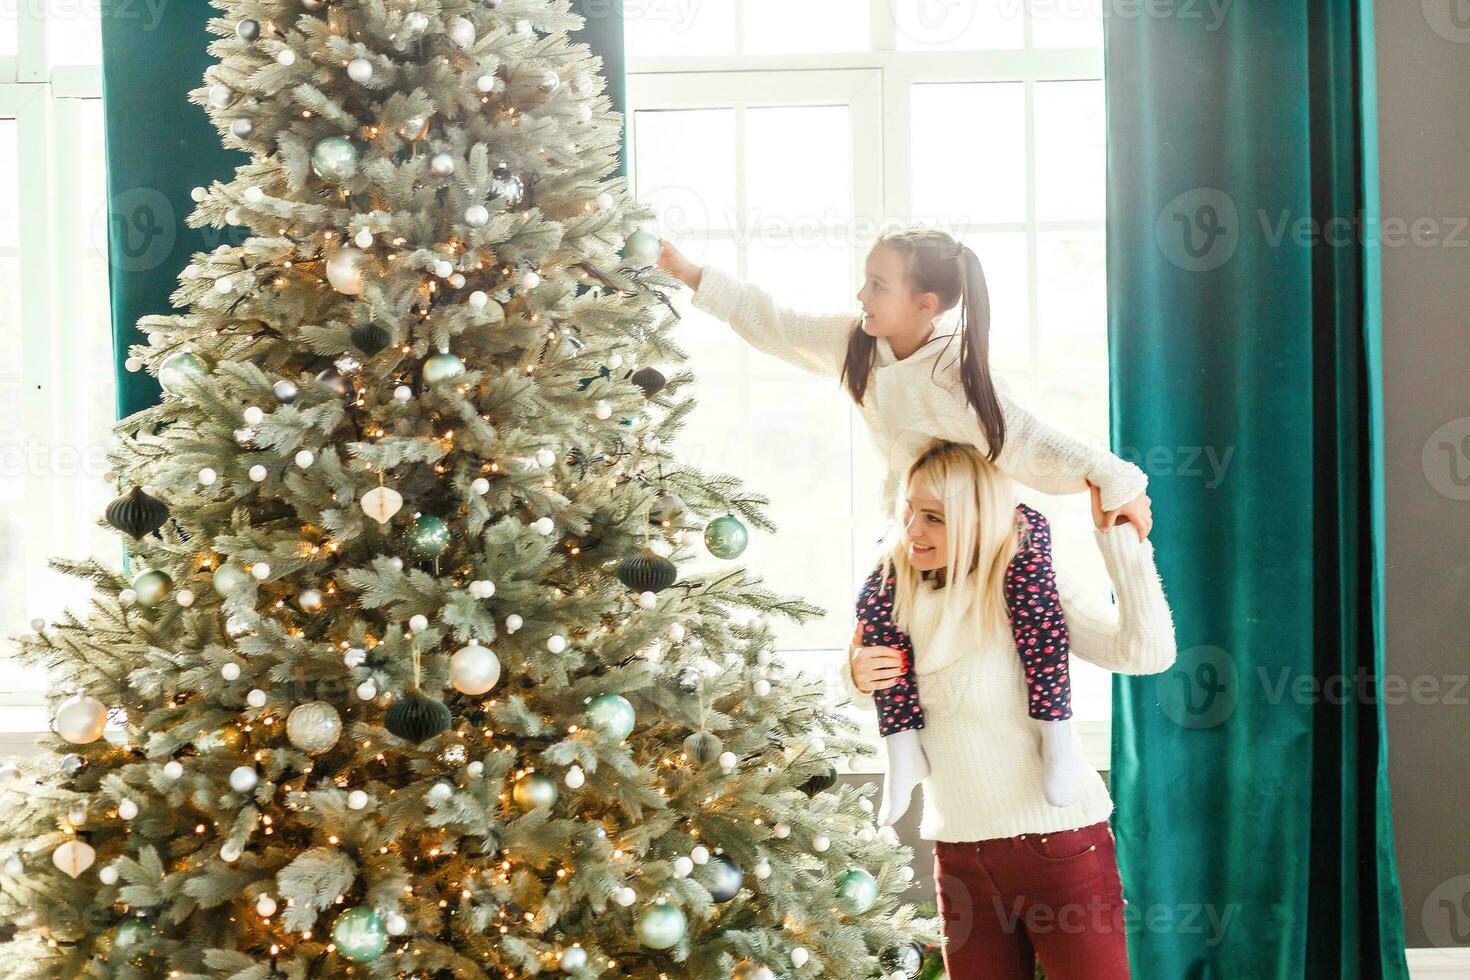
<point>1253,819</point>
<point>160,147</point>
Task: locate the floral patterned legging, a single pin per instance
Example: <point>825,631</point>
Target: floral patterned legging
<point>1037,623</point>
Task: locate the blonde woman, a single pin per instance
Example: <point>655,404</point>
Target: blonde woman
<point>1006,858</point>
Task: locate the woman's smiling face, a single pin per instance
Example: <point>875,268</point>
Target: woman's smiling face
<point>924,529</point>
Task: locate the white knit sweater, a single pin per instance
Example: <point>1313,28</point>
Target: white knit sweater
<point>984,749</point>
<point>905,408</point>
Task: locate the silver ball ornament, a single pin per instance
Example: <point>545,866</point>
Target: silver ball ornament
<point>314,726</point>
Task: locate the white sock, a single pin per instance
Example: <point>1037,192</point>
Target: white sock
<point>907,767</point>
<point>1059,774</point>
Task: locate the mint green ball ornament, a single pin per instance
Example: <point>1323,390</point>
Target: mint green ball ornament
<point>360,935</point>
<point>857,891</point>
<point>428,537</point>
<point>726,537</point>
<point>441,367</point>
<point>642,249</point>
<point>177,369</point>
<point>229,579</point>
<point>151,587</point>
<point>661,925</point>
<point>334,159</point>
<point>611,713</point>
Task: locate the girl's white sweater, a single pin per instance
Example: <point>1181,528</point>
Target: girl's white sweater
<point>984,749</point>
<point>909,402</point>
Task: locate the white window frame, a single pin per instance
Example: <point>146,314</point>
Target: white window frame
<point>44,102</point>
<point>742,80</point>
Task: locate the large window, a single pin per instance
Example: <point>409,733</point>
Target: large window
<point>56,381</point>
<point>775,138</point>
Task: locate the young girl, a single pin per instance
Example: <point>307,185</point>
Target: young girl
<point>1016,875</point>
<point>911,385</point>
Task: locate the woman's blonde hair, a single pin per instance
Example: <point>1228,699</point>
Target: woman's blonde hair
<point>979,527</point>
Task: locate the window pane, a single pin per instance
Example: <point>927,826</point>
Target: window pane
<point>969,152</point>
<point>10,327</point>
<point>9,187</point>
<point>685,163</point>
<point>715,352</point>
<point>798,176</point>
<point>1072,310</point>
<point>9,35</point>
<point>807,26</point>
<point>654,28</point>
<point>802,431</point>
<point>1071,155</point>
<point>1003,257</point>
<point>1066,23</point>
<point>92,189</point>
<point>805,276</point>
<point>74,32</point>
<point>935,25</point>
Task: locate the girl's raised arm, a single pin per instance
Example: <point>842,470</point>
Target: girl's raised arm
<point>1136,636</point>
<point>1051,461</point>
<point>812,342</point>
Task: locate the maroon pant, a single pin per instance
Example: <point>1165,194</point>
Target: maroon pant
<point>1009,900</point>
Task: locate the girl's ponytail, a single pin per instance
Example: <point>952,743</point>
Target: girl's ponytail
<point>952,271</point>
<point>975,352</point>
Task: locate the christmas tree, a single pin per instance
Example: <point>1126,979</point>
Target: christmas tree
<point>417,664</point>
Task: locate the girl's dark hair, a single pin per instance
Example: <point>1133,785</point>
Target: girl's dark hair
<point>938,264</point>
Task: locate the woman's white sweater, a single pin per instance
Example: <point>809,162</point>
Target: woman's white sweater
<point>905,408</point>
<point>984,749</point>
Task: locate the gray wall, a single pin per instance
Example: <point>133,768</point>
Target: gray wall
<point>1424,87</point>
